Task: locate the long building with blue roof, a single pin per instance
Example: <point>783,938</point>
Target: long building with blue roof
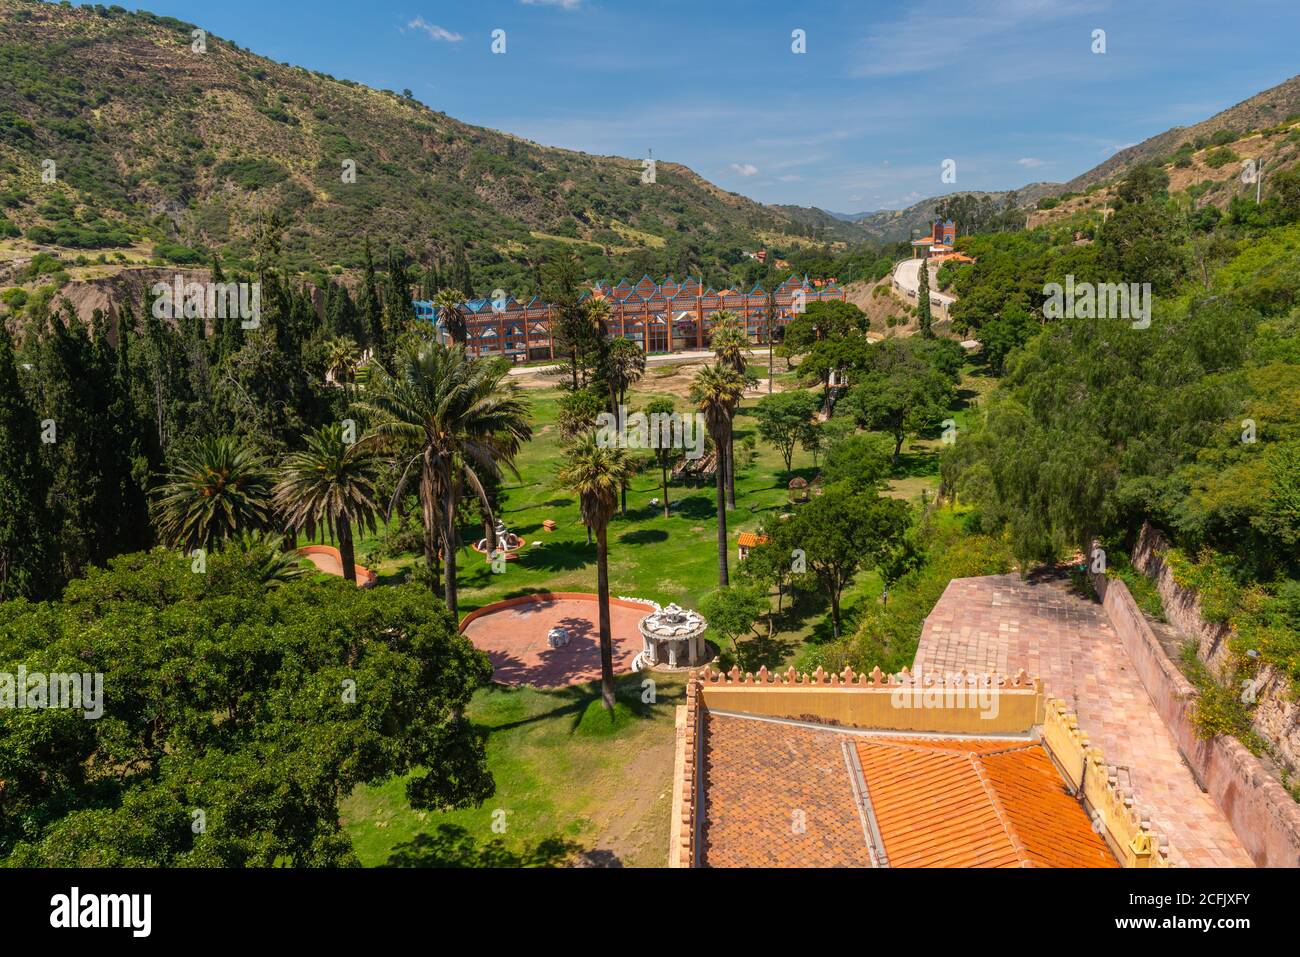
<point>663,316</point>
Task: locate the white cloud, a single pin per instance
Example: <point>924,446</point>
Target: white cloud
<point>744,169</point>
<point>435,32</point>
<point>1029,162</point>
<point>562,4</point>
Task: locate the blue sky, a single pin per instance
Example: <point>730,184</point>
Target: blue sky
<point>863,120</point>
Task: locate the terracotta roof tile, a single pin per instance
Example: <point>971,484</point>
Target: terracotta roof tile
<point>975,803</point>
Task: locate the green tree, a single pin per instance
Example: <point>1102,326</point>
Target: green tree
<point>666,455</point>
<point>447,302</point>
<point>447,417</point>
<point>330,486</point>
<point>263,707</point>
<point>570,323</point>
<point>861,460</point>
<point>716,392</point>
<point>210,492</point>
<point>784,419</point>
<point>903,402</point>
<point>731,613</point>
<point>923,314</point>
<point>843,530</point>
<point>25,546</point>
<point>596,474</point>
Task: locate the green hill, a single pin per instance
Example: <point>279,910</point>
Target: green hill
<point>162,152</point>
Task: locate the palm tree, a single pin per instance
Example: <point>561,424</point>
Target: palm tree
<point>330,486</point>
<point>729,341</point>
<point>341,357</point>
<point>447,303</point>
<point>624,365</point>
<point>596,474</point>
<point>716,391</point>
<point>457,415</point>
<point>264,555</point>
<point>596,312</point>
<point>731,346</point>
<point>212,491</point>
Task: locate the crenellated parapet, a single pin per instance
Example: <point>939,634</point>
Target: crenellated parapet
<point>1109,799</point>
<point>872,679</point>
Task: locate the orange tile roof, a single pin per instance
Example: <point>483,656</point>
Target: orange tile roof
<point>750,539</point>
<point>975,803</point>
<point>937,802</point>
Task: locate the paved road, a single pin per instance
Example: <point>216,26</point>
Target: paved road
<point>908,275</point>
<point>692,355</point>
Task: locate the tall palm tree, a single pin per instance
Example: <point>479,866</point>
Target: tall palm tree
<point>624,365</point>
<point>596,311</point>
<point>212,491</point>
<point>716,391</point>
<point>596,474</point>
<point>457,415</point>
<point>447,303</point>
<point>731,347</point>
<point>330,486</point>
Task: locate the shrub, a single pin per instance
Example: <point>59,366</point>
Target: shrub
<point>1220,157</point>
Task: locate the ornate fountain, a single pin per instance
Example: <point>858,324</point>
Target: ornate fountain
<point>671,633</point>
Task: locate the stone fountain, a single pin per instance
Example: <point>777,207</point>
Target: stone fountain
<point>671,633</point>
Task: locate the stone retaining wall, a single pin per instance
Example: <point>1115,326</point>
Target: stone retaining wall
<point>1263,815</point>
<point>1276,715</point>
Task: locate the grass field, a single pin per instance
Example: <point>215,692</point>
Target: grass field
<point>571,786</point>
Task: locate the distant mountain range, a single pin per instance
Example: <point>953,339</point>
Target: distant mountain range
<point>158,145</point>
<point>163,151</point>
<point>1261,111</point>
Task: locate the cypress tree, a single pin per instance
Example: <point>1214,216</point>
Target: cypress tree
<point>368,307</point>
<point>923,299</point>
<point>25,527</point>
<point>460,273</point>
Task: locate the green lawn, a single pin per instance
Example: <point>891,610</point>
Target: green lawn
<point>569,785</point>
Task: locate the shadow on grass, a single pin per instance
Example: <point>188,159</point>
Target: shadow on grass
<point>559,556</point>
<point>696,507</point>
<point>451,845</point>
<point>578,701</point>
<point>549,503</point>
<point>644,536</point>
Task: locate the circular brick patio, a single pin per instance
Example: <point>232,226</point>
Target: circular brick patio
<point>513,633</point>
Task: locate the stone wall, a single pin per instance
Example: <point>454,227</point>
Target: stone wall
<point>1276,715</point>
<point>1263,815</point>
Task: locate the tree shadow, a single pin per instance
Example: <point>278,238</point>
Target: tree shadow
<point>451,845</point>
<point>575,699</point>
<point>558,556</point>
<point>643,536</point>
<point>549,503</point>
<point>696,507</point>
